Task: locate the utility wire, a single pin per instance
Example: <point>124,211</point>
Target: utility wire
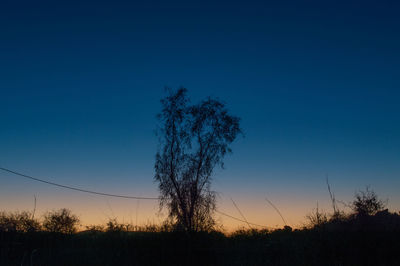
<point>75,188</point>
<point>110,195</point>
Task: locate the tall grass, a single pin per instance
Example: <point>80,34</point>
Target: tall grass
<point>335,238</point>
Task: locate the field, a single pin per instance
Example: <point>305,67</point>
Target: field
<point>372,240</point>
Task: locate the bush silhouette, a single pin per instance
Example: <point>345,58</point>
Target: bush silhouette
<point>317,218</point>
<point>60,221</point>
<point>18,222</point>
<point>367,203</point>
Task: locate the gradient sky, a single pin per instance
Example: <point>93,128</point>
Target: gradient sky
<point>316,84</point>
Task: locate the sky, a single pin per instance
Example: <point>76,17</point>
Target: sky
<point>315,83</point>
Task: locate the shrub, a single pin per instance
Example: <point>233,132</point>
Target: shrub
<point>366,203</point>
<point>317,218</point>
<point>18,222</point>
<point>61,221</point>
<point>114,226</point>
<point>94,228</point>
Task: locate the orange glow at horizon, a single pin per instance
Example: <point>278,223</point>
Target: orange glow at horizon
<point>94,210</point>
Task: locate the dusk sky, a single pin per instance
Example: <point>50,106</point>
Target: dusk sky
<point>315,83</point>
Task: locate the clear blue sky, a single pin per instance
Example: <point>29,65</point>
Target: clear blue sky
<point>316,84</point>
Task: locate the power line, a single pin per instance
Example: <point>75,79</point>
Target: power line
<point>111,195</point>
<point>77,189</point>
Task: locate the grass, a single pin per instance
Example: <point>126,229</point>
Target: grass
<point>348,242</point>
<point>367,236</point>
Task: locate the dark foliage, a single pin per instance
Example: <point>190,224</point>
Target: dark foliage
<point>349,240</point>
<point>60,221</point>
<point>345,239</point>
<point>320,246</point>
<point>193,140</point>
<point>18,222</point>
<point>367,203</point>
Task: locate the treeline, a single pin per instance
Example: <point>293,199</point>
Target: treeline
<point>367,212</point>
<point>63,221</point>
<point>59,221</point>
<point>366,235</point>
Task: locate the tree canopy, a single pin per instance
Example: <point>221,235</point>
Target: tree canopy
<point>193,140</point>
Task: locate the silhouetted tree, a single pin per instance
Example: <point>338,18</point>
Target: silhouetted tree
<point>367,203</point>
<point>193,140</point>
<point>61,221</point>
